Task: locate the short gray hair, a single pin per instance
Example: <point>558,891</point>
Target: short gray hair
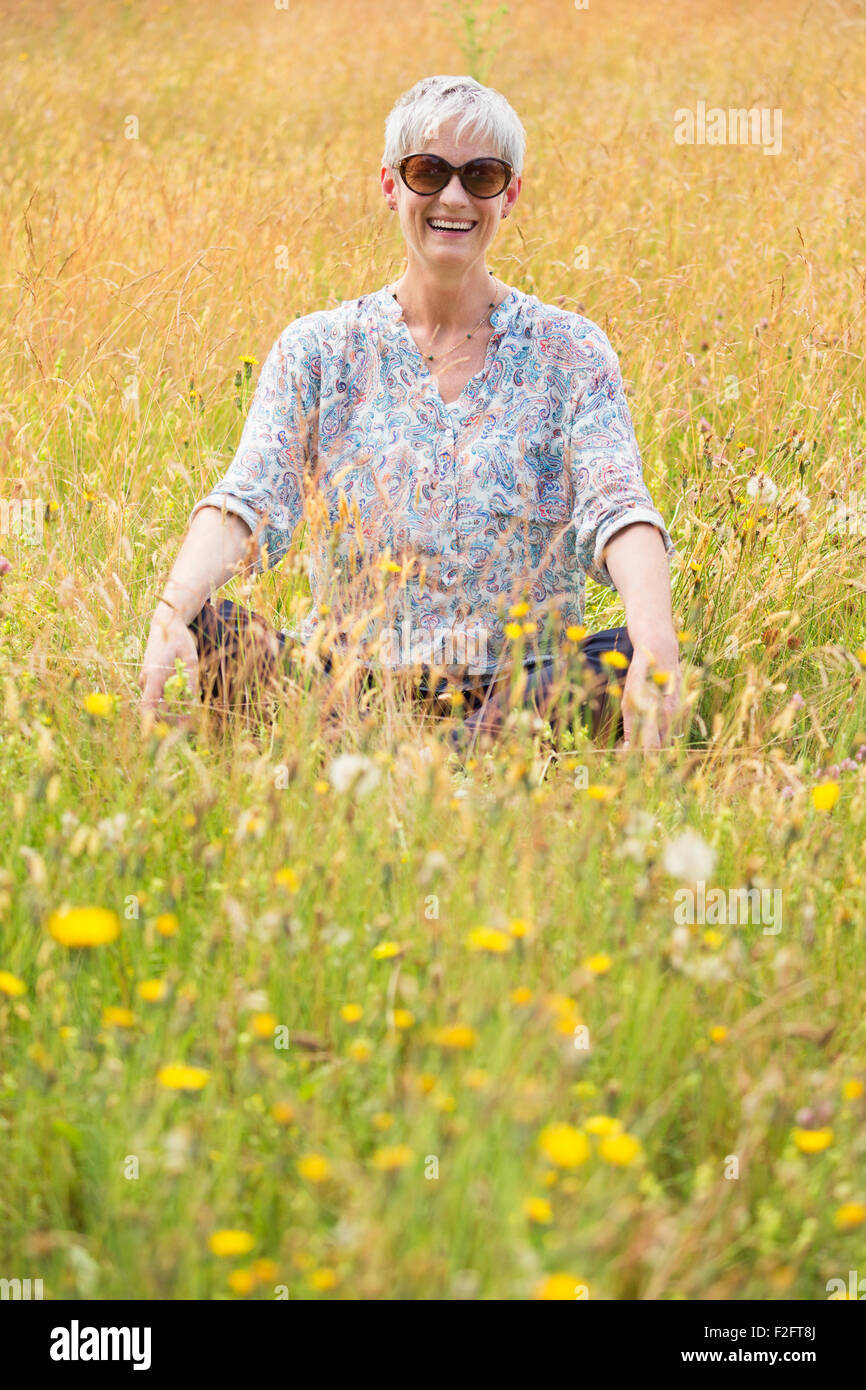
<point>418,114</point>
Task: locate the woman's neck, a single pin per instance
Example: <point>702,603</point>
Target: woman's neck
<point>428,303</point>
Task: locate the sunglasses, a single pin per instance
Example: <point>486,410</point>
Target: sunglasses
<point>428,173</point>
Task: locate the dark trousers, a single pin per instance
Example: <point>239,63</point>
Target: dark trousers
<point>241,658</point>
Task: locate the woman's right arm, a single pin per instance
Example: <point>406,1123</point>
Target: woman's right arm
<point>262,489</point>
<point>211,553</point>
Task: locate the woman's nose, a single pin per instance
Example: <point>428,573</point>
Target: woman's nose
<point>455,188</point>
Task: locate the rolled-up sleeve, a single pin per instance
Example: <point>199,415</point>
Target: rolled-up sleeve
<point>609,488</point>
<point>264,483</point>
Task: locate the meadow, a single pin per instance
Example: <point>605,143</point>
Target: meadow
<point>269,1029</point>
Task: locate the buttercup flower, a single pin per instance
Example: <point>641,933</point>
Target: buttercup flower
<point>489,939</point>
<point>388,1160</point>
<point>619,1149</point>
<point>314,1168</point>
<point>151,991</point>
<point>179,1077</point>
<point>84,926</point>
<point>812,1141</point>
<point>386,950</point>
<point>99,704</point>
<point>538,1210</point>
<point>849,1216</point>
<point>603,1125</point>
<point>456,1035</point>
<point>825,795</point>
<point>598,964</point>
<point>564,1146</point>
<point>113,1017</point>
<point>562,1287</point>
<point>231,1242</point>
<point>263,1025</point>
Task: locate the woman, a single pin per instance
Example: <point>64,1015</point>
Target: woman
<point>462,454</point>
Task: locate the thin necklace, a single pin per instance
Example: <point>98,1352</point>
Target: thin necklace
<point>429,356</point>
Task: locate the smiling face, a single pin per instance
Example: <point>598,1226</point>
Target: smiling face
<point>473,222</point>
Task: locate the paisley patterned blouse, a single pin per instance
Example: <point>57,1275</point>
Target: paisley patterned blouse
<point>505,497</point>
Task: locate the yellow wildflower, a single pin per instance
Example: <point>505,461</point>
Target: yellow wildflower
<point>585,1089</point>
<point>603,1125</point>
<point>242,1281</point>
<point>386,950</point>
<point>113,1017</point>
<point>389,1160</point>
<point>825,795</point>
<point>11,985</point>
<point>231,1242</point>
<point>84,926</point>
<point>812,1141</point>
<point>598,964</point>
<point>99,704</point>
<point>179,1077</point>
<point>539,1210</point>
<point>849,1216</point>
<point>314,1167</point>
<point>151,991</point>
<point>351,1013</point>
<point>287,878</point>
<point>562,1287</point>
<point>489,939</point>
<point>564,1146</point>
<point>456,1035</point>
<point>263,1025</point>
<point>619,1149</point>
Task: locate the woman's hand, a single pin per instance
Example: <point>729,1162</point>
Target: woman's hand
<point>651,694</point>
<point>216,547</point>
<point>638,566</point>
<point>170,640</point>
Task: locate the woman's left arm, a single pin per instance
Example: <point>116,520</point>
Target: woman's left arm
<point>638,565</point>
